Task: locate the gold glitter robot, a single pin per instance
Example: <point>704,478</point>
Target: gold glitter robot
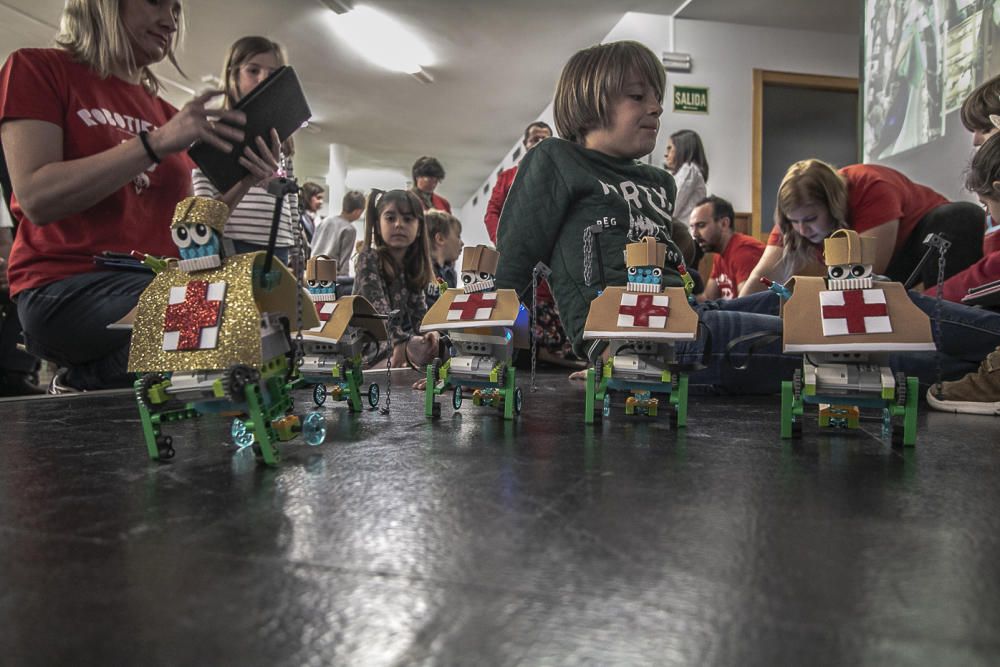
<point>333,351</point>
<point>485,325</point>
<point>846,325</point>
<point>641,321</point>
<point>211,335</point>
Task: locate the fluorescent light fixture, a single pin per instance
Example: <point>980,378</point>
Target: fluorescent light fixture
<point>337,6</point>
<point>676,62</point>
<point>383,40</point>
<point>423,76</point>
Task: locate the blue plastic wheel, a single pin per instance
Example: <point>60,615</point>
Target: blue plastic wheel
<point>319,394</point>
<point>242,436</point>
<point>456,398</point>
<point>373,394</point>
<point>518,400</point>
<point>314,428</point>
<point>607,405</point>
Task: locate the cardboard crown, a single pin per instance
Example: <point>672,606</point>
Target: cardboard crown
<point>647,252</point>
<point>321,267</point>
<point>481,259</point>
<point>205,210</point>
<point>846,246</point>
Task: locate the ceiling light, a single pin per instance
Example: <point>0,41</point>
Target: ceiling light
<point>423,76</point>
<point>383,40</point>
<point>337,6</point>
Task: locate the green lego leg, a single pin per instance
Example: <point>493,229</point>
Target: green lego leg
<point>150,431</point>
<point>262,433</point>
<point>354,395</point>
<point>786,409</point>
<point>429,392</point>
<point>588,402</point>
<point>682,400</point>
<point>910,416</point>
<point>508,395</point>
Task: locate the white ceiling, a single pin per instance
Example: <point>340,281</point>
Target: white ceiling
<point>839,16</point>
<point>496,65</point>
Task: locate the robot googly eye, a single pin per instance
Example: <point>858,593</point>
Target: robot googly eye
<point>181,236</point>
<point>632,270</point>
<point>657,272</point>
<point>483,275</point>
<point>311,283</point>
<point>467,278</point>
<point>860,271</point>
<point>201,234</point>
<point>325,283</point>
<point>836,272</point>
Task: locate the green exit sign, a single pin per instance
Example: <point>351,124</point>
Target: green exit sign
<point>690,99</point>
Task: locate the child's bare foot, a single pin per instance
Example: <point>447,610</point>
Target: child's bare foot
<point>421,384</point>
<point>578,376</point>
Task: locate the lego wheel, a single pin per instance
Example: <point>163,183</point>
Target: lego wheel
<point>797,384</point>
<point>237,379</point>
<point>314,429</point>
<point>373,394</point>
<point>165,447</point>
<point>900,393</point>
<point>242,436</point>
<point>606,410</point>
<point>518,400</point>
<point>436,368</point>
<point>319,394</point>
<point>456,398</point>
<point>149,380</point>
<point>436,410</point>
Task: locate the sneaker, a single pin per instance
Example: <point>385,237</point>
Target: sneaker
<point>59,386</point>
<point>976,394</point>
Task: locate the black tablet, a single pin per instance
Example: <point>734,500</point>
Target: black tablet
<point>277,102</point>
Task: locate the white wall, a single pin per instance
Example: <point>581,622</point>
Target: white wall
<point>724,57</point>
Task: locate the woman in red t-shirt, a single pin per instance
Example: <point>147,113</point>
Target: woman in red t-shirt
<point>814,200</point>
<point>97,163</point>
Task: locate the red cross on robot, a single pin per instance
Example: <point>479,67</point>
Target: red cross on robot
<point>189,317</point>
<point>643,309</point>
<point>475,306</point>
<point>855,310</point>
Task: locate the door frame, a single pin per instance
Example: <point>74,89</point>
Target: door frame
<point>762,78</point>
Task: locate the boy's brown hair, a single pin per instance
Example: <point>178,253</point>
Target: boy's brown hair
<point>440,222</point>
<point>978,106</point>
<point>593,77</point>
<point>985,169</point>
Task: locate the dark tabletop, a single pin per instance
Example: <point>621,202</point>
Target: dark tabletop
<point>471,541</point>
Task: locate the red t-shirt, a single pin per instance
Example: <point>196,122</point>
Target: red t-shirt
<point>877,195</point>
<point>986,270</point>
<point>497,198</point>
<point>734,264</point>
<point>95,114</point>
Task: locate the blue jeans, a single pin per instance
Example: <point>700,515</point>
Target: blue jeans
<point>66,321</point>
<point>967,336</point>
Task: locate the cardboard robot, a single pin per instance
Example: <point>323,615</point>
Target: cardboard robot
<point>211,334</point>
<point>642,321</point>
<point>484,325</point>
<point>333,351</point>
<point>846,325</point>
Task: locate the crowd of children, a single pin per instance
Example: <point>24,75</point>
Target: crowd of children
<point>81,188</point>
